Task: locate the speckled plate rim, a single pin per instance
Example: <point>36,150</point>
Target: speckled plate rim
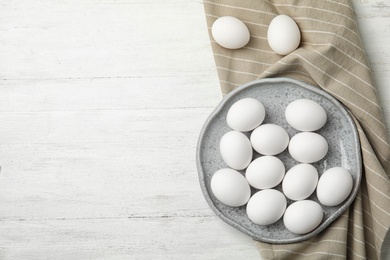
<point>247,231</point>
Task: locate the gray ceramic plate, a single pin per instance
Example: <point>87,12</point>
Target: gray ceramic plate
<point>275,94</point>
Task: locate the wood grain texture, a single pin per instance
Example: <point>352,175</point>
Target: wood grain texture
<point>101,104</point>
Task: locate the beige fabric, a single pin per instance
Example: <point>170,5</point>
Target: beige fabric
<point>332,57</point>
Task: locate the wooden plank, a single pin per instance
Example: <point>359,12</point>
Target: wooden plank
<point>100,163</point>
<point>73,39</point>
<point>109,93</point>
<point>124,238</point>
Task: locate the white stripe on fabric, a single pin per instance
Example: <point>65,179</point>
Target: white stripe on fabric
<point>365,227</point>
<point>250,48</point>
<point>340,50</point>
<point>387,160</point>
<point>230,83</point>
<point>356,76</point>
<point>384,141</point>
<point>239,8</point>
<point>334,34</point>
<point>325,240</point>
<point>367,151</point>
<point>380,138</point>
<point>339,81</point>
<point>354,224</point>
<point>285,63</point>
<point>325,22</point>
<point>303,254</point>
<point>357,240</point>
<point>340,97</point>
<point>244,21</point>
<point>255,49</point>
<point>376,205</point>
<point>259,37</point>
<point>384,195</point>
<point>243,60</point>
<point>342,84</point>
<point>288,71</point>
<point>380,224</point>
<point>237,71</point>
<point>360,256</point>
<point>252,36</point>
<point>280,61</point>
<point>312,8</point>
<point>336,2</point>
<point>363,243</point>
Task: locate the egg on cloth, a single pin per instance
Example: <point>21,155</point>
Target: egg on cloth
<point>236,150</point>
<point>303,216</point>
<point>245,115</point>
<point>230,32</point>
<point>334,186</point>
<point>269,139</point>
<point>266,207</point>
<point>283,35</point>
<point>230,187</point>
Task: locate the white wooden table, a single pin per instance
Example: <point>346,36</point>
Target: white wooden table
<point>101,104</point>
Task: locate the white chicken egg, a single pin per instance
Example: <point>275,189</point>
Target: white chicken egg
<point>236,150</point>
<point>303,216</point>
<point>269,139</point>
<point>230,32</point>
<point>305,115</point>
<point>230,187</point>
<point>265,172</point>
<point>334,186</point>
<point>283,35</point>
<point>245,115</point>
<point>308,147</point>
<point>300,181</point>
<point>266,207</point>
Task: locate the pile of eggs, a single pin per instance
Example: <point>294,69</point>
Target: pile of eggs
<point>268,204</point>
<point>283,33</point>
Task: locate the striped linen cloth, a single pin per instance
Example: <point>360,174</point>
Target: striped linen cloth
<point>330,56</point>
